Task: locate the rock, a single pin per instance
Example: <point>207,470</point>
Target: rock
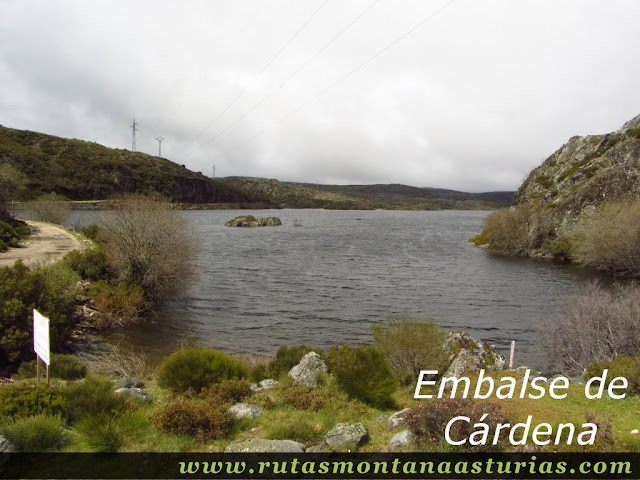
<point>6,446</point>
<point>633,432</point>
<point>136,393</point>
<point>264,385</point>
<point>397,419</point>
<point>127,382</point>
<point>307,371</point>
<point>320,448</point>
<point>402,439</point>
<point>347,435</point>
<point>256,445</point>
<point>251,221</point>
<point>468,353</point>
<point>245,410</point>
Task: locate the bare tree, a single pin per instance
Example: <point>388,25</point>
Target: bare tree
<point>52,208</point>
<point>149,244</point>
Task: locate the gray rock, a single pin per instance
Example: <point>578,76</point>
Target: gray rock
<point>6,446</point>
<point>347,435</point>
<point>468,353</point>
<point>136,393</point>
<point>245,410</point>
<point>321,448</point>
<point>402,439</point>
<point>397,419</point>
<point>307,371</point>
<point>256,445</point>
<point>127,382</point>
<point>251,221</point>
<point>264,385</point>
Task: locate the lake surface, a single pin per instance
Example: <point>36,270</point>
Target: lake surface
<point>325,277</point>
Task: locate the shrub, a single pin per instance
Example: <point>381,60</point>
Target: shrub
<point>428,422</point>
<point>66,367</point>
<point>193,369</point>
<point>313,399</point>
<point>622,366</point>
<point>258,372</point>
<point>90,263</point>
<point>595,326</point>
<point>411,346</point>
<point>90,231</point>
<point>286,358</point>
<point>35,434</point>
<point>229,391</point>
<point>52,208</point>
<point>561,249</point>
<point>92,396</point>
<point>109,433</point>
<point>609,238</point>
<point>363,373</point>
<point>298,426</point>
<point>195,417</point>
<point>8,235</point>
<point>22,290</point>
<point>149,245</point>
<point>122,303</point>
<point>25,400</point>
<point>3,246</point>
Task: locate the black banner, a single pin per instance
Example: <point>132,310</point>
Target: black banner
<point>319,465</point>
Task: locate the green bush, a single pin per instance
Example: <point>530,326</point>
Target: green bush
<point>35,434</point>
<point>3,246</point>
<point>622,366</point>
<point>22,290</point>
<point>198,418</point>
<point>63,366</point>
<point>121,303</point>
<point>560,248</point>
<point>91,231</point>
<point>110,433</point>
<point>410,346</point>
<point>8,235</point>
<point>258,372</point>
<point>286,358</point>
<point>25,400</point>
<point>92,396</point>
<point>229,391</point>
<point>363,373</point>
<point>193,369</point>
<point>91,263</point>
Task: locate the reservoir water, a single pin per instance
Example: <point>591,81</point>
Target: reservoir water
<point>325,277</point>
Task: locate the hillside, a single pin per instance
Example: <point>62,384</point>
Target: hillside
<point>585,172</point>
<point>82,170</point>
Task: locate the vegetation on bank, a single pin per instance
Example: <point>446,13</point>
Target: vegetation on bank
<point>189,410</point>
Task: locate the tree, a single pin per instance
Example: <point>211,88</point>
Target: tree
<point>52,208</point>
<point>11,182</point>
<point>150,245</point>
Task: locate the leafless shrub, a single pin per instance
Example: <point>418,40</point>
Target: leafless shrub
<point>609,239</point>
<point>596,326</point>
<point>123,363</point>
<point>149,245</point>
<point>52,208</point>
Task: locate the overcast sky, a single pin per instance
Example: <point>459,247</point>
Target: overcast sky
<point>463,94</point>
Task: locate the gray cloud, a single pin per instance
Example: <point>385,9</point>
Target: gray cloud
<point>472,100</point>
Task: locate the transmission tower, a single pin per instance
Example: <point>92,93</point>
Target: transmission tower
<point>133,135</point>
<point>214,172</point>
<point>159,139</point>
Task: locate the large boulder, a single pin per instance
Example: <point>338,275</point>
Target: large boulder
<point>468,353</point>
<point>347,435</point>
<point>256,445</point>
<point>307,371</point>
<point>251,221</point>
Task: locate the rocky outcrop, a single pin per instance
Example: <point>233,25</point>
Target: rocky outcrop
<point>585,172</point>
<point>257,445</point>
<point>307,371</point>
<point>264,385</point>
<point>468,353</point>
<point>397,419</point>
<point>136,393</point>
<point>245,410</point>
<point>251,221</point>
<point>347,435</point>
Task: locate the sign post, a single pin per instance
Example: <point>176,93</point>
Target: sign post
<point>41,344</point>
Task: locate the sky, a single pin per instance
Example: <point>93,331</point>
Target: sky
<point>463,94</point>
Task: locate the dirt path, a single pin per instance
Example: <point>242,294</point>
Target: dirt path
<point>46,244</point>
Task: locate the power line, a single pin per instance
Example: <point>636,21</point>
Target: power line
<point>267,65</point>
<point>341,79</point>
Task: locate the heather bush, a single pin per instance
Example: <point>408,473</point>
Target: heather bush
<point>428,421</point>
<point>411,346</point>
<point>228,391</point>
<point>201,419</point>
<point>609,239</point>
<point>622,366</point>
<point>313,399</point>
<point>92,396</point>
<point>25,400</point>
<point>63,366</point>
<point>37,433</point>
<point>363,373</point>
<point>596,326</point>
<point>194,369</point>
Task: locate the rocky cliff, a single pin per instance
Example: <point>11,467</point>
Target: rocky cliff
<point>585,172</point>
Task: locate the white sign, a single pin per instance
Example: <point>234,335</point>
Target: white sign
<point>41,336</point>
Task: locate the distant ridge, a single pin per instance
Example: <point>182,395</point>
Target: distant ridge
<point>82,170</point>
